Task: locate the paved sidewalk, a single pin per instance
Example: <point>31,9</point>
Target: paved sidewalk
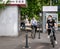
<point>19,42</point>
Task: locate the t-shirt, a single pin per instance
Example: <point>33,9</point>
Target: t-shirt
<point>34,22</point>
<point>50,23</point>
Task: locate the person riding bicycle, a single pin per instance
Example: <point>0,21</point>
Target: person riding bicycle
<point>51,23</point>
<point>34,24</point>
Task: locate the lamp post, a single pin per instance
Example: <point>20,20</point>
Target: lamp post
<point>40,14</point>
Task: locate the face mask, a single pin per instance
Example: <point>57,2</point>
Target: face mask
<point>49,18</point>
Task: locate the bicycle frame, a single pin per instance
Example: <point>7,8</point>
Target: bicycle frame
<point>52,37</point>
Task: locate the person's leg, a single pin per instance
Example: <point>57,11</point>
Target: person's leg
<point>54,37</point>
<point>31,27</point>
<point>35,30</point>
<point>31,30</point>
<point>23,25</point>
<point>49,31</point>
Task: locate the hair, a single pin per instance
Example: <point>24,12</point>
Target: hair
<point>49,16</point>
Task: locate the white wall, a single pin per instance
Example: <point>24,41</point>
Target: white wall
<point>9,21</point>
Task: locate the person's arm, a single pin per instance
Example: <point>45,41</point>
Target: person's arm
<point>55,25</point>
<point>47,25</point>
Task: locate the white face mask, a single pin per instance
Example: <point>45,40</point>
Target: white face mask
<point>49,18</point>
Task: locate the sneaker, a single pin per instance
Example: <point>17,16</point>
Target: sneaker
<point>55,42</point>
<point>48,36</point>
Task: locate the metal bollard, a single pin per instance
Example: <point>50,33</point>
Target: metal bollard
<point>26,41</point>
<point>39,33</point>
<point>39,36</point>
<point>26,46</point>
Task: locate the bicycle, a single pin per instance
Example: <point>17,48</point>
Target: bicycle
<point>33,32</point>
<point>52,37</point>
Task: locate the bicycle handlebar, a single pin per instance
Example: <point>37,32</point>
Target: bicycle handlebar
<point>51,27</point>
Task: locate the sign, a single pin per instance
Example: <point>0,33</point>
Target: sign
<point>13,2</point>
<point>50,8</point>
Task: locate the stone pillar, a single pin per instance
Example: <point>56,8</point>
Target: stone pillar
<point>44,22</point>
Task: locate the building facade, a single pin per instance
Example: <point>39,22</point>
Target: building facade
<point>9,18</point>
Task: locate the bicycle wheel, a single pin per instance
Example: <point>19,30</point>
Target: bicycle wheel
<point>52,41</point>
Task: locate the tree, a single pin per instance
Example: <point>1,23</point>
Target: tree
<point>2,5</point>
<point>34,7</point>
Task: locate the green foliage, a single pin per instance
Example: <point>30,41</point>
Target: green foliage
<point>2,5</point>
<point>36,17</point>
<point>35,6</point>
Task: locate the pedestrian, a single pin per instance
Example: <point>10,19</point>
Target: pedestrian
<point>23,24</point>
<point>34,24</point>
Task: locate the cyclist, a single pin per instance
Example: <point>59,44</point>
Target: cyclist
<point>34,24</point>
<point>51,23</point>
